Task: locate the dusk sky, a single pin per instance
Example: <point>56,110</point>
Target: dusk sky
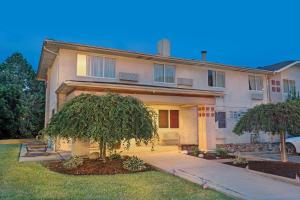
<point>243,33</point>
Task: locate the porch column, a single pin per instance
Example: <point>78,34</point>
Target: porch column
<point>206,127</point>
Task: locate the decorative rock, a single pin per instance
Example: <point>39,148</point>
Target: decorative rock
<point>94,156</point>
<point>200,155</point>
<point>184,152</point>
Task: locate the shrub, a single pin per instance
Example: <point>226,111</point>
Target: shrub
<point>73,162</point>
<point>115,156</point>
<point>195,151</point>
<point>240,160</point>
<point>134,164</point>
<point>222,152</point>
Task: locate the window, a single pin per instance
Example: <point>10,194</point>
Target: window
<point>96,66</point>
<point>221,118</point>
<point>168,119</point>
<point>164,73</point>
<point>216,78</point>
<point>256,83</point>
<point>289,86</point>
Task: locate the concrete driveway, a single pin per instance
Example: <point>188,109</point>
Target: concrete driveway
<point>233,181</point>
<point>271,156</point>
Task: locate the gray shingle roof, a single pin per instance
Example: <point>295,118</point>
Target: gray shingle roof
<point>277,66</point>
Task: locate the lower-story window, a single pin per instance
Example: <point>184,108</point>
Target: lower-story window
<point>221,118</point>
<point>168,119</point>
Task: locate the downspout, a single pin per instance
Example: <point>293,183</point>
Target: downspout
<point>268,89</point>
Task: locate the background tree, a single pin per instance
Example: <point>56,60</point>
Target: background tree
<point>21,99</point>
<point>280,118</point>
<point>109,120</point>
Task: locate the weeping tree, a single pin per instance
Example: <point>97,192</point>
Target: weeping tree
<point>281,119</point>
<point>109,120</point>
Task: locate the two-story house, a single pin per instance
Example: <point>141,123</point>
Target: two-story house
<point>198,102</point>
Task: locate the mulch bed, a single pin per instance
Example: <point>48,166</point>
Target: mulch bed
<point>213,156</point>
<point>93,167</point>
<point>288,169</point>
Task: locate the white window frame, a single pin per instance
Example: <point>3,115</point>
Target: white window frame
<point>289,86</point>
<point>164,67</point>
<point>255,78</point>
<point>216,77</point>
<point>103,69</point>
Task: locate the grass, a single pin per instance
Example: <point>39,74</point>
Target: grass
<point>33,181</point>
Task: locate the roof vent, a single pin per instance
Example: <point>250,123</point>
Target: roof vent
<point>163,48</point>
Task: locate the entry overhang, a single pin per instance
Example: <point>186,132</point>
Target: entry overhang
<point>69,86</point>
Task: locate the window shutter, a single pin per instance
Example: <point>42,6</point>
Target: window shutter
<point>174,119</point>
<point>163,119</point>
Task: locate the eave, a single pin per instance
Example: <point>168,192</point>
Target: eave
<point>69,86</point>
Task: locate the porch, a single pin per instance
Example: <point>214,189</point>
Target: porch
<point>184,116</point>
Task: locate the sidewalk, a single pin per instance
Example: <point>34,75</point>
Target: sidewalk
<point>233,181</point>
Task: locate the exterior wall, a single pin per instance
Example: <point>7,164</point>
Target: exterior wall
<point>52,85</point>
<point>237,99</point>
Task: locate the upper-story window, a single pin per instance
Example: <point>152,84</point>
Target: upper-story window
<point>289,86</point>
<point>216,78</point>
<point>164,73</point>
<point>256,83</point>
<point>96,66</point>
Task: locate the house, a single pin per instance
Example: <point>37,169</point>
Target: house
<point>198,102</point>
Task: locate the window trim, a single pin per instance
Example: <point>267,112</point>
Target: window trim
<point>254,75</point>
<point>289,86</point>
<point>216,71</point>
<point>164,66</point>
<point>97,77</point>
<point>218,121</point>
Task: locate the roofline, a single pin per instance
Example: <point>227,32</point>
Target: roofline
<point>125,53</point>
<point>286,67</point>
<point>135,88</point>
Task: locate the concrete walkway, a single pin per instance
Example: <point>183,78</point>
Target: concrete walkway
<point>233,181</point>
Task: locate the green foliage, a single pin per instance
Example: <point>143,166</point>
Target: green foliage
<point>280,118</point>
<point>134,164</point>
<point>272,118</point>
<point>109,120</point>
<point>222,152</point>
<point>195,151</point>
<point>115,156</point>
<point>240,160</point>
<point>21,99</point>
<point>73,162</point>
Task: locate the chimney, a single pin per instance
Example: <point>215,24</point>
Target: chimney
<point>163,48</point>
<point>203,55</point>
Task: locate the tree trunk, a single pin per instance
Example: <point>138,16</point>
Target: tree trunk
<point>102,147</point>
<point>284,157</point>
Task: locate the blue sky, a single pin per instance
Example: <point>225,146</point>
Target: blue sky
<point>243,33</point>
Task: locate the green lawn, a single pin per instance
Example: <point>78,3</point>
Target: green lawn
<point>33,181</point>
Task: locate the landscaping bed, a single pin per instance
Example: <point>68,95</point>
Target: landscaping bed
<point>214,156</point>
<point>288,169</point>
<point>93,167</point>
